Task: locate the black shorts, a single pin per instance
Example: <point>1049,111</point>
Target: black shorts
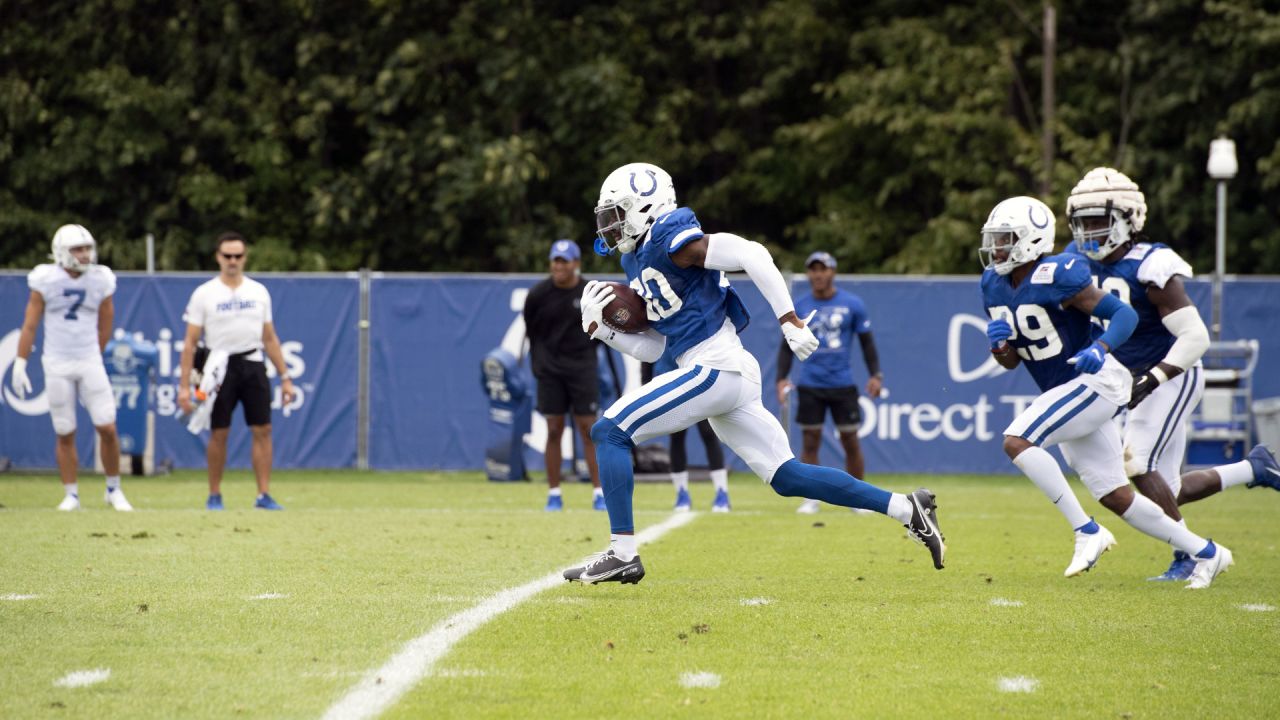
<point>245,383</point>
<point>560,394</point>
<point>843,403</point>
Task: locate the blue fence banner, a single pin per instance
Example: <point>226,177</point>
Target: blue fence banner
<point>316,319</point>
<point>129,362</point>
<point>946,406</point>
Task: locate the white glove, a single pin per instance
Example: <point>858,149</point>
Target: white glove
<point>595,296</point>
<point>801,339</point>
<point>21,382</point>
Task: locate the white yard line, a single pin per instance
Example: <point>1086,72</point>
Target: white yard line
<point>17,596</point>
<point>381,688</point>
<point>1018,684</point>
<point>700,680</point>
<point>83,678</point>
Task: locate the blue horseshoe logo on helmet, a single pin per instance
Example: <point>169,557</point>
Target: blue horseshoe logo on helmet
<point>1031,215</point>
<point>652,176</point>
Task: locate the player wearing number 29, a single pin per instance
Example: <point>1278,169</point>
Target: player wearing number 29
<point>695,316</point>
<point>73,295</point>
<point>1107,212</point>
<point>1041,307</point>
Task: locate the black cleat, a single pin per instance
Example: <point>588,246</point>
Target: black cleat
<point>923,527</point>
<point>607,567</point>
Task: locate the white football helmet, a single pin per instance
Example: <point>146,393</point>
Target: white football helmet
<point>631,199</point>
<point>1105,209</point>
<point>73,236</point>
<point>1021,228</point>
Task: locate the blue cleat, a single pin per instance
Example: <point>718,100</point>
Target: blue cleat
<point>264,502</point>
<point>1266,471</point>
<point>213,503</point>
<point>555,503</point>
<point>1180,569</point>
<point>598,503</point>
<point>683,502</point>
<point>721,503</point>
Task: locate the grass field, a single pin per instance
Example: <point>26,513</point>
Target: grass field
<point>765,613</point>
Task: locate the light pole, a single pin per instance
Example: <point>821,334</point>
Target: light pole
<point>1222,167</point>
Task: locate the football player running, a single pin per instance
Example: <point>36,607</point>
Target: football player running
<point>678,269</point>
<point>1107,212</point>
<point>1041,307</point>
<point>73,295</point>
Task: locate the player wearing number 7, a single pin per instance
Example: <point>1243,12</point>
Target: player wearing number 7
<point>1041,307</point>
<point>73,295</point>
<point>695,316</point>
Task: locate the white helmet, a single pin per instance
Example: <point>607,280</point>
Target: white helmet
<point>631,199</point>
<point>73,236</point>
<point>1022,227</point>
<point>1116,205</point>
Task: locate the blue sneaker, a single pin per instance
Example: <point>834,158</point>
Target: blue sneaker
<point>264,502</point>
<point>1266,471</point>
<point>1180,569</point>
<point>721,503</point>
<point>555,503</point>
<point>213,503</point>
<point>683,502</point>
<point>597,503</point>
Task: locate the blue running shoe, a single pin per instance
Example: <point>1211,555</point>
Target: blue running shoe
<point>555,503</point>
<point>264,502</point>
<point>721,503</point>
<point>1266,471</point>
<point>213,503</point>
<point>683,501</point>
<point>598,503</point>
<point>1180,569</point>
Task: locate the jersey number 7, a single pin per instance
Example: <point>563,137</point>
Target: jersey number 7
<point>71,311</point>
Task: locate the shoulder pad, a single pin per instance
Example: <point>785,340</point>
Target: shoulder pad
<point>1161,264</point>
<point>676,228</point>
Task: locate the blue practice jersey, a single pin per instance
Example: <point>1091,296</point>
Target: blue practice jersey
<point>1045,334</point>
<point>688,305</point>
<point>837,319</point>
<point>1151,340</point>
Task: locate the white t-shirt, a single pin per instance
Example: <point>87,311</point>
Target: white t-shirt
<point>232,318</point>
<point>71,308</point>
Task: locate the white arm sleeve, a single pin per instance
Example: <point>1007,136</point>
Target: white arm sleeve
<point>1192,337</point>
<point>731,253</point>
<point>1162,264</point>
<point>645,347</point>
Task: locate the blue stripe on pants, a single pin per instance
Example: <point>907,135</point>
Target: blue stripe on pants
<point>1162,441</point>
<point>1067,417</point>
<point>656,393</point>
<point>1026,434</point>
<point>684,397</point>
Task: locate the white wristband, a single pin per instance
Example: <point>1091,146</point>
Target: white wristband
<point>1158,374</point>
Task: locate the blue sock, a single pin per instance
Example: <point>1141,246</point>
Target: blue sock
<point>795,479</point>
<point>613,455</point>
<point>1209,551</point>
<point>1088,528</point>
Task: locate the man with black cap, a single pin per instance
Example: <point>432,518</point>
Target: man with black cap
<point>564,364</point>
<point>826,378</point>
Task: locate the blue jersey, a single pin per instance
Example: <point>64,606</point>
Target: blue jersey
<point>687,305</point>
<point>837,319</point>
<point>1045,334</point>
<point>1151,340</point>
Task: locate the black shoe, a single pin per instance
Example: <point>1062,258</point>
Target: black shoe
<point>607,567</point>
<point>923,527</point>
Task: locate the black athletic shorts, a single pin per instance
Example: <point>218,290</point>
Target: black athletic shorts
<point>245,383</point>
<point>560,394</point>
<point>814,403</point>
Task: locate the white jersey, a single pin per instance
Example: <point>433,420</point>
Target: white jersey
<point>71,308</point>
<point>232,318</point>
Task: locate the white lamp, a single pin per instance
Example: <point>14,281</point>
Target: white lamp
<point>1222,167</point>
<point>1222,159</point>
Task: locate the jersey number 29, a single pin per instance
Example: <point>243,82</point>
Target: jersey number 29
<point>1033,323</point>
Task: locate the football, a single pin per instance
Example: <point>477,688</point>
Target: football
<point>625,313</point>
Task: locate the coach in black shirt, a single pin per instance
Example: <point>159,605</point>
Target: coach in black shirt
<point>564,363</point>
